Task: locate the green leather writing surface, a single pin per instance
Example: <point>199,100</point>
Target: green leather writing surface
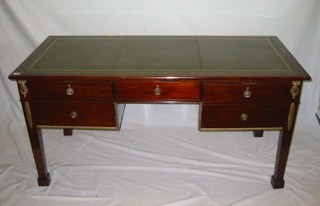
<point>161,55</point>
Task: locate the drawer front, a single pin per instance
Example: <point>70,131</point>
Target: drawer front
<point>242,116</point>
<point>144,91</point>
<point>74,113</point>
<point>246,93</point>
<point>71,90</point>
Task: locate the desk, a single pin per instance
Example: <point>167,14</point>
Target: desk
<point>83,82</point>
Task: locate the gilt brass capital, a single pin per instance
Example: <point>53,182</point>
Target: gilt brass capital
<point>23,89</point>
<point>295,90</point>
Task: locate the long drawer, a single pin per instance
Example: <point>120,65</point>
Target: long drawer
<point>217,92</point>
<point>74,113</point>
<point>153,91</point>
<point>242,116</point>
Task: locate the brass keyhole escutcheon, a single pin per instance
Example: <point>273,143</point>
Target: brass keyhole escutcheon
<point>157,90</point>
<point>69,90</point>
<point>244,117</point>
<point>247,93</point>
<point>73,114</point>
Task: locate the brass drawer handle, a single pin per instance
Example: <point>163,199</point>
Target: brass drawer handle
<point>247,93</point>
<point>69,90</point>
<point>244,117</point>
<point>157,90</point>
<point>73,114</point>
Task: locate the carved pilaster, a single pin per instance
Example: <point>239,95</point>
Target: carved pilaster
<point>292,111</point>
<point>28,114</point>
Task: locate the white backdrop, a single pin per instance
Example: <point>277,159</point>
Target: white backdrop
<point>159,157</point>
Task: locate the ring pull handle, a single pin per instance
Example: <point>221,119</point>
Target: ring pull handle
<point>157,90</point>
<point>247,93</point>
<point>73,114</point>
<point>244,117</point>
<point>69,90</point>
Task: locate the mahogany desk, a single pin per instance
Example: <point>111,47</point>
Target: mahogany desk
<point>83,82</point>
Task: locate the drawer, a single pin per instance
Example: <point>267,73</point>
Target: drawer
<point>71,90</point>
<point>246,93</point>
<point>242,116</point>
<point>74,113</point>
<point>153,91</point>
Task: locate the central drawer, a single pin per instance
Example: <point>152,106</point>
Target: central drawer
<point>75,113</point>
<point>154,91</point>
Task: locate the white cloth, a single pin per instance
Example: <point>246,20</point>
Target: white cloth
<point>159,157</point>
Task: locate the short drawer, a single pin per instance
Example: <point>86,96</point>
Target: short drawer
<point>71,90</point>
<point>74,113</point>
<point>153,91</point>
<point>242,116</point>
<point>246,93</point>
